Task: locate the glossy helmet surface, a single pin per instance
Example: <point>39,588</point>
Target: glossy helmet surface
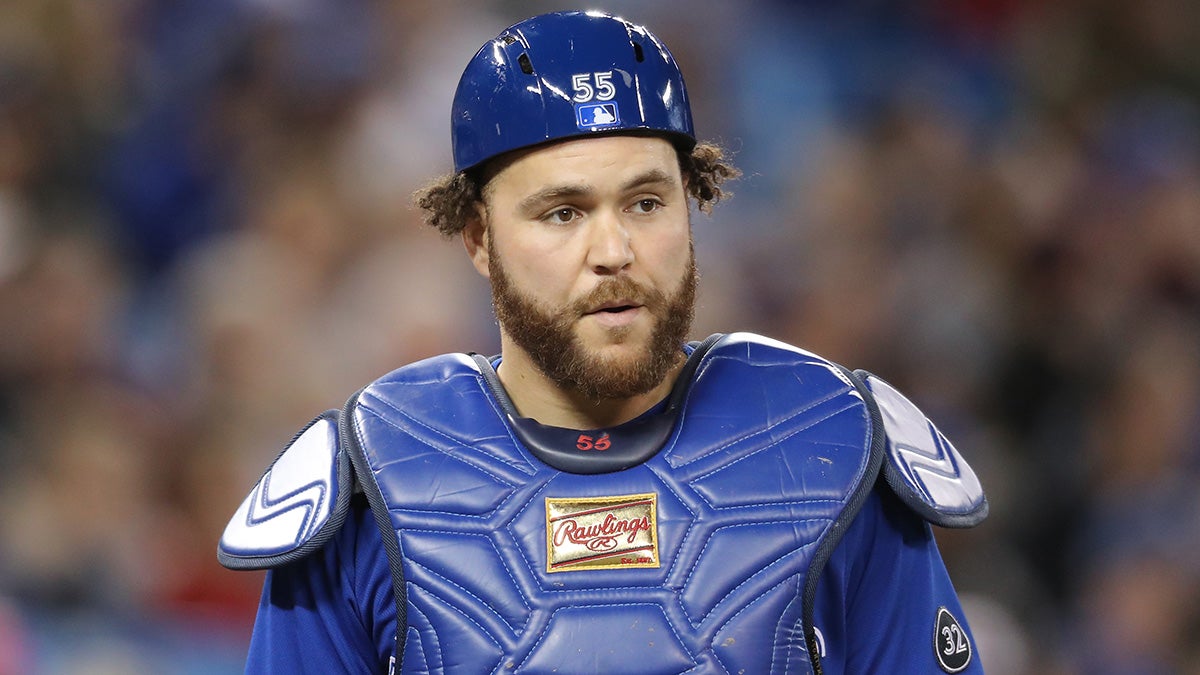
<point>562,75</point>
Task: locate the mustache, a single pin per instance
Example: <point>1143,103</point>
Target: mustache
<point>618,289</point>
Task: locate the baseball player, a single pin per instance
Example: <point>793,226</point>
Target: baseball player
<point>603,496</point>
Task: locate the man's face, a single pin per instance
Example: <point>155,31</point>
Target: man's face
<point>588,247</point>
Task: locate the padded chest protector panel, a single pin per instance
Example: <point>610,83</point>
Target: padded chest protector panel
<point>923,467</point>
<point>298,504</point>
<point>773,447</point>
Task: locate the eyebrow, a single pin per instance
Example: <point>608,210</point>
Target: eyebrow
<point>549,195</point>
<point>651,177</point>
<point>546,196</point>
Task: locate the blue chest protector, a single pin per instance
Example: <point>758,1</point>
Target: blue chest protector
<point>702,556</point>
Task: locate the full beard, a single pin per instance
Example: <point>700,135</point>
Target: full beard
<point>548,335</point>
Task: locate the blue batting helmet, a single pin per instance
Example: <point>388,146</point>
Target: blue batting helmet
<point>563,75</point>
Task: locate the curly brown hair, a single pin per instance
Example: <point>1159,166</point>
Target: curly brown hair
<point>449,202</point>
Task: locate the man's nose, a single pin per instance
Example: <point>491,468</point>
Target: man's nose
<point>610,249</point>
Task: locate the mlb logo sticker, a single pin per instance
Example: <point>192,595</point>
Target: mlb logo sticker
<point>597,115</point>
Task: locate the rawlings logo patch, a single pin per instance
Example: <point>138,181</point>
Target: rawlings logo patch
<point>950,642</point>
<point>601,533</point>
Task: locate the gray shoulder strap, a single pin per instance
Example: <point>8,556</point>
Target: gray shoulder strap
<point>921,466</point>
<point>298,504</point>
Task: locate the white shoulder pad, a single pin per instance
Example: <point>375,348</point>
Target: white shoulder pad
<point>298,504</point>
<point>922,467</point>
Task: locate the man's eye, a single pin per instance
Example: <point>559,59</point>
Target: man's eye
<point>561,216</point>
<point>647,205</point>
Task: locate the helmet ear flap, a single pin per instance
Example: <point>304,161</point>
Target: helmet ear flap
<point>591,72</point>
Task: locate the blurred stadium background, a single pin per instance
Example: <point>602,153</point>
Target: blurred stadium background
<point>206,240</point>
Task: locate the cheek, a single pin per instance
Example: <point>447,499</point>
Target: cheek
<point>669,257</point>
<point>540,272</point>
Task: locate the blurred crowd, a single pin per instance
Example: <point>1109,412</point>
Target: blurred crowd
<point>206,239</point>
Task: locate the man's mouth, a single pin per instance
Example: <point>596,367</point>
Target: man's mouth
<point>614,307</point>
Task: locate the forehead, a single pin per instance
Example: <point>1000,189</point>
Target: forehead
<point>598,161</point>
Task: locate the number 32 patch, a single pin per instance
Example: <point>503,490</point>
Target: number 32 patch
<point>951,643</point>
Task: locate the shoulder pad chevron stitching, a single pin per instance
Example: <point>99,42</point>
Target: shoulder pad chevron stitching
<point>922,467</point>
<point>299,503</point>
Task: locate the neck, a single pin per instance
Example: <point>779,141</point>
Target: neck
<point>538,397</point>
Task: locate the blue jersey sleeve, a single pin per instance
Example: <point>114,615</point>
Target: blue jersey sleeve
<point>330,612</point>
<point>885,603</point>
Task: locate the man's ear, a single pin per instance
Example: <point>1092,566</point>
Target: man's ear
<point>475,239</point>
